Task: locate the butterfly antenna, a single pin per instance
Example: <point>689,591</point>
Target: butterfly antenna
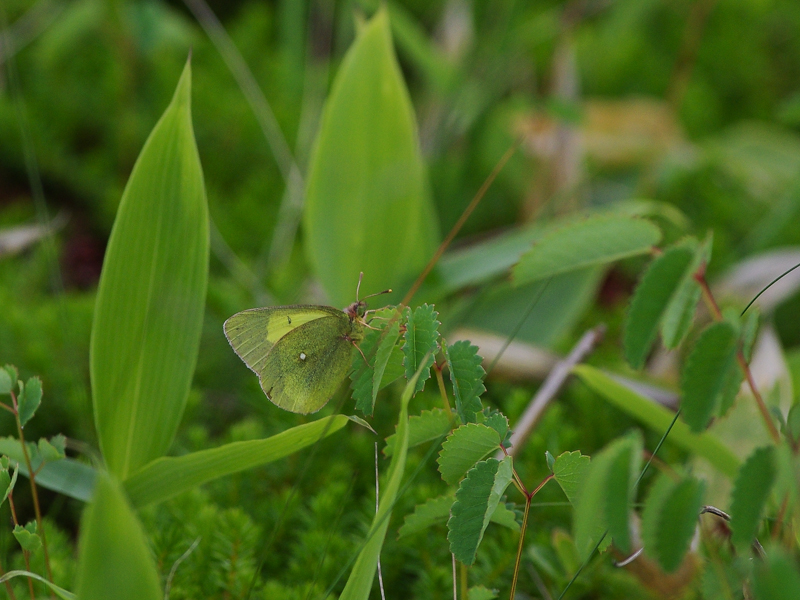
<point>389,291</point>
<point>358,286</point>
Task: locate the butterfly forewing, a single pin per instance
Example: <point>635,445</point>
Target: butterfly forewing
<point>309,364</point>
<point>252,333</point>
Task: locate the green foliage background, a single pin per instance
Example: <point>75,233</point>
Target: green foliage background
<point>693,103</point>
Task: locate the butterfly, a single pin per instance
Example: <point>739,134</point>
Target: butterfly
<point>301,353</point>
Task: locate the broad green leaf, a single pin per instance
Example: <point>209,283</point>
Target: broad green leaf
<point>377,346</point>
<point>658,419</point>
<point>463,448</point>
<point>151,296</point>
<point>359,584</point>
<point>476,500</point>
<point>368,206</point>
<point>166,477</point>
<point>58,591</point>
<point>594,241</point>
<point>114,560</point>
<point>467,375</point>
<point>421,342</point>
<point>570,470</point>
<point>30,399</point>
<point>27,536</point>
<point>428,425</point>
<point>750,493</point>
<point>6,383</point>
<point>670,518</point>
<point>705,373</point>
<point>604,500</point>
<point>776,578</point>
<point>66,476</point>
<point>679,314</point>
<point>650,301</point>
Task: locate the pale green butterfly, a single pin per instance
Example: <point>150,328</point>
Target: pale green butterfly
<point>301,353</point>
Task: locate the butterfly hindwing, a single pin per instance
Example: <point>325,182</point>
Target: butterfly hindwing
<point>308,364</point>
<point>252,333</point>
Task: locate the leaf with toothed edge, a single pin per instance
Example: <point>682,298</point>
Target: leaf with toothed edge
<point>463,448</point>
<point>421,339</point>
<point>370,376</point>
<point>467,375</point>
<point>476,500</point>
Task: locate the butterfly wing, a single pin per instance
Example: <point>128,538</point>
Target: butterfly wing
<point>253,333</point>
<point>307,365</point>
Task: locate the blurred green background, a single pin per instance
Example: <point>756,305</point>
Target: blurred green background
<point>694,103</point>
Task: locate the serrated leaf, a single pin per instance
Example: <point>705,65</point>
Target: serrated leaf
<point>377,347</point>
<point>497,421</point>
<point>476,499</point>
<point>29,399</point>
<point>435,510</point>
<point>12,373</point>
<point>593,241</point>
<point>669,519</point>
<point>650,300</point>
<point>27,537</point>
<point>6,383</point>
<point>151,297</point>
<point>428,425</point>
<point>368,205</point>
<point>704,374</point>
<point>52,449</point>
<point>467,375</point>
<point>776,578</point>
<point>421,337</point>
<point>570,469</point>
<point>679,314</point>
<point>463,448</point>
<point>604,501</point>
<point>480,592</point>
<point>750,493</point>
<point>730,388</point>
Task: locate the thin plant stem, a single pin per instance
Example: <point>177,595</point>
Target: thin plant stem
<point>34,490</point>
<point>519,547</point>
<point>9,589</point>
<point>762,406</point>
<point>461,220</point>
<point>455,578</point>
<point>464,582</point>
<point>528,498</point>
<point>442,389</point>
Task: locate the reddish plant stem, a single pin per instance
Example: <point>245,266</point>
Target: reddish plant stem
<point>528,498</point>
<point>461,220</point>
<point>440,380</point>
<point>34,490</point>
<point>762,406</point>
